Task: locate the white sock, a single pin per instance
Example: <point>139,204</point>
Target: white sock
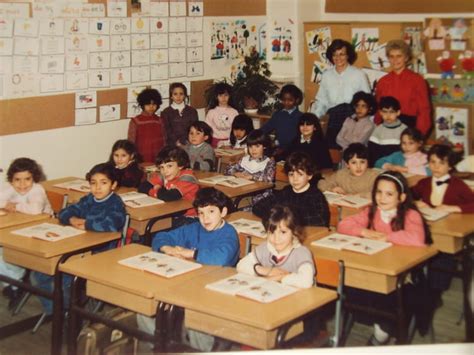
<point>379,334</point>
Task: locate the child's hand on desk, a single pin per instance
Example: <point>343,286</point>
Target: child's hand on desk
<point>277,274</point>
<point>10,207</point>
<point>243,175</point>
<point>448,208</point>
<point>178,252</point>
<point>371,234</point>
<point>338,190</point>
<point>78,223</point>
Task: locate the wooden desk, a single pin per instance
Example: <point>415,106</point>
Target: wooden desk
<point>44,256</point>
<point>242,320</point>
<point>236,193</point>
<point>74,196</point>
<point>223,160</point>
<point>12,219</point>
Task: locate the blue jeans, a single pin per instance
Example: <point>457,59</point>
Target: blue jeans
<point>46,283</point>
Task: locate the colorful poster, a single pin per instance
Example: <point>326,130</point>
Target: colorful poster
<point>377,58</point>
<point>435,32</point>
<point>452,126</point>
<point>318,40</point>
<point>365,39</point>
<point>282,40</point>
<point>452,91</point>
<point>318,69</point>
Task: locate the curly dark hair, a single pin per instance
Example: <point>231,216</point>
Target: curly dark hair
<point>219,89</point>
<point>367,98</point>
<point>444,152</point>
<point>339,44</point>
<point>149,96</point>
<point>25,164</point>
<point>172,153</point>
<point>300,161</point>
<point>209,196</point>
<point>292,90</point>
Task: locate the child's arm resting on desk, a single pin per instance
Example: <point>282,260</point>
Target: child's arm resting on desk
<point>111,220</point>
<point>151,186</point>
<point>413,232</point>
<point>355,224</point>
<point>75,210</point>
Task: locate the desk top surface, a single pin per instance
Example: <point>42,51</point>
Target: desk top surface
<point>455,224</point>
<point>193,295</point>
<point>162,209</point>
<point>104,268</point>
<point>46,249</point>
<point>11,219</point>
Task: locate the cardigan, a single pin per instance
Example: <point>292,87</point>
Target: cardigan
<point>220,120</point>
<point>285,125</point>
<point>177,123</point>
<point>317,149</point>
<point>351,184</point>
<point>355,131</point>
<point>418,163</point>
<point>457,194</point>
<point>130,176</point>
<point>217,247</point>
<point>148,134</point>
<point>34,201</point>
<point>412,234</point>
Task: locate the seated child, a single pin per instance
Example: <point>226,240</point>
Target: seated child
<point>356,179</point>
<point>212,241</point>
<point>178,115</point>
<point>241,127</point>
<point>392,217</point>
<point>311,141</point>
<point>146,130</point>
<point>100,211</point>
<point>385,138</point>
<point>443,191</point>
<point>302,195</point>
<point>200,152</point>
<point>285,121</point>
<point>257,165</point>
<point>22,194</point>
<point>125,160</point>
<point>282,257</point>
<point>410,159</point>
<point>175,180</point>
<point>358,127</point>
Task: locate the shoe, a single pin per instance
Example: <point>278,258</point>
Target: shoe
<point>15,297</point>
<point>374,342</point>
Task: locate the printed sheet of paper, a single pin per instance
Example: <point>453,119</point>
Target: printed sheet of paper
<point>194,54</point>
<point>140,41</point>
<point>51,45</point>
<point>432,214</point>
<point>140,74</point>
<point>86,99</point>
<point>14,11</point>
<point>6,46</point>
<point>21,85</point>
<point>49,232</point>
<point>177,70</point>
<point>159,25</point>
<point>120,59</point>
<point>177,55</point>
<point>51,83</point>
<point>99,78</point>
<point>140,25</point>
<point>194,24</point>
<point>250,227</point>
<point>99,26</point>
<point>99,60</point>
<point>140,57</point>
<point>51,27</point>
<point>159,72</point>
<point>75,44</point>
<point>158,56</point>
<point>177,39</point>
<point>177,24</point>
<point>26,46</point>
<point>53,64</point>
<point>117,8</point>
<point>6,65</point>
<point>109,113</point>
<point>97,43</point>
<point>133,109</point>
<point>76,62</point>
<point>86,116</point>
<point>24,64</point>
<point>6,27</point>
<point>93,10</point>
<point>120,26</point>
<point>195,69</point>
<point>28,27</point>
<point>194,39</point>
<point>177,7</point>
<point>120,43</point>
<point>76,80</point>
<point>195,8</point>
<point>159,40</point>
<point>76,26</point>
<point>120,76</point>
<point>159,8</point>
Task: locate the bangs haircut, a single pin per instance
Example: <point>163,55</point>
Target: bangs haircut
<point>173,154</point>
<point>178,85</point>
<point>203,127</point>
<point>300,161</point>
<point>209,196</point>
<point>283,213</point>
<point>256,137</point>
<point>389,102</point>
<point>104,169</point>
<point>355,150</point>
<point>25,164</point>
<point>444,152</point>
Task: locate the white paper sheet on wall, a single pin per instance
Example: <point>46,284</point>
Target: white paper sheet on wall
<point>195,69</point>
<point>120,59</point>
<point>99,78</point>
<point>140,41</point>
<point>85,116</point>
<point>26,27</point>
<point>177,55</point>
<point>133,92</point>
<point>195,8</point>
<point>140,74</point>
<point>133,109</point>
<point>159,8</point>
<point>51,27</point>
<point>177,39</point>
<point>120,43</point>
<point>98,43</point>
<point>177,70</point>
<point>158,56</point>
<point>140,25</point>
<point>177,7</point>
<point>76,26</point>
<point>117,8</point>
<point>76,80</point>
<point>75,44</point>
<point>6,46</point>
<point>109,113</point>
<point>25,64</point>
<point>159,25</point>
<point>194,39</point>
<point>93,10</point>
<point>43,10</point>
<point>86,99</point>
<point>21,85</point>
<point>75,62</point>
<point>68,9</point>
<point>52,45</point>
<point>14,11</point>
<point>99,26</point>
<point>194,54</point>
<point>159,72</point>
<point>140,57</point>
<point>6,65</point>
<point>159,40</point>
<point>120,76</point>
<point>194,24</point>
<point>6,27</point>
<point>26,46</point>
<point>120,26</point>
<point>53,64</point>
<point>51,83</point>
<point>177,24</point>
<point>99,60</point>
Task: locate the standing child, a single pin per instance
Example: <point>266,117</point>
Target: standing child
<point>199,149</point>
<point>241,127</point>
<point>146,130</point>
<point>443,191</point>
<point>285,121</point>
<point>302,195</point>
<point>178,116</point>
<point>282,257</point>
<point>311,141</point>
<point>257,165</point>
<point>410,159</point>
<point>392,217</point>
<point>385,138</point>
<point>221,114</point>
<point>23,194</point>
<point>175,180</point>
<point>358,127</point>
<point>356,178</point>
<point>125,160</point>
<point>212,241</point>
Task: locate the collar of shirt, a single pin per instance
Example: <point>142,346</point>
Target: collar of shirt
<point>304,140</point>
<point>104,199</point>
<point>290,111</point>
<point>387,216</point>
<point>304,189</point>
<point>274,252</point>
<point>440,179</point>
<point>238,142</point>
<point>179,107</point>
<point>395,124</point>
<point>197,145</point>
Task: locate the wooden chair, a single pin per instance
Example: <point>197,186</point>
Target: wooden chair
<point>336,156</point>
<point>334,215</point>
<point>330,274</point>
<point>57,201</point>
<point>244,242</point>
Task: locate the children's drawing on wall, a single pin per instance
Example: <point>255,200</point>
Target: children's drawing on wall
<point>457,34</point>
<point>452,126</point>
<point>451,91</point>
<point>318,40</point>
<point>318,69</point>
<point>282,39</point>
<point>412,37</point>
<point>467,64</point>
<point>232,39</point>
<point>195,8</point>
<point>374,76</point>
<point>446,65</point>
<point>436,33</point>
<point>377,58</point>
<point>365,39</point>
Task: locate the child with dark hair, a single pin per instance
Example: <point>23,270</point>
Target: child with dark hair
<point>221,113</point>
<point>385,138</point>
<point>356,178</point>
<point>258,164</point>
<point>178,116</point>
<point>212,241</point>
<point>124,158</point>
<point>311,141</point>
<point>198,148</point>
<point>444,191</point>
<point>241,127</point>
<point>285,121</point>
<point>282,257</point>
<point>302,195</point>
<point>411,159</point>
<point>146,130</point>
<point>358,127</point>
<point>175,180</point>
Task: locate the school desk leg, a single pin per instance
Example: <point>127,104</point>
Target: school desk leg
<point>401,322</point>
<point>57,327</point>
<point>160,327</point>
<point>74,318</point>
<point>468,283</point>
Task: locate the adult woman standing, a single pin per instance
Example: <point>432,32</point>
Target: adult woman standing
<point>338,85</point>
<point>408,87</point>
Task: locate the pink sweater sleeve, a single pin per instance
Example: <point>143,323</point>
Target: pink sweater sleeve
<point>413,234</point>
<point>353,225</point>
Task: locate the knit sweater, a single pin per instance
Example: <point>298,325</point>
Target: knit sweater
<point>384,141</point>
<point>148,134</point>
<point>412,234</point>
<point>355,131</point>
<point>317,149</point>
<point>310,205</point>
<point>34,201</point>
<point>130,176</point>
<point>351,184</point>
<point>417,163</point>
<point>217,247</point>
<point>177,123</point>
<point>201,156</point>
<point>285,125</point>
<point>220,119</point>
<point>106,215</point>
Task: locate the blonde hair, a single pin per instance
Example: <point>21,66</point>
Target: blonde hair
<point>399,44</point>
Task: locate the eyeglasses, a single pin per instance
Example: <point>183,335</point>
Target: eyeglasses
<point>337,55</point>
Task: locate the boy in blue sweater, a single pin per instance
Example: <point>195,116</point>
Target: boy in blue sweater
<point>212,241</point>
<point>285,121</point>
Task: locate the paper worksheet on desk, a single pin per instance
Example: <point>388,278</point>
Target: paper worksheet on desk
<point>346,242</point>
<point>136,199</point>
<point>250,227</point>
<point>431,214</point>
<point>353,201</point>
<point>223,180</point>
<point>49,232</point>
<point>76,185</point>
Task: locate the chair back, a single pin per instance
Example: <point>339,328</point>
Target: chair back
<point>336,156</point>
<point>244,243</point>
<point>58,201</point>
<point>123,239</point>
<point>334,215</point>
